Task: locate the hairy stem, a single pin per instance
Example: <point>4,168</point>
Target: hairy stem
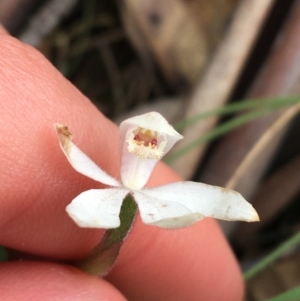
<point>104,255</point>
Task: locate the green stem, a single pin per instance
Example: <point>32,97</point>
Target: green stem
<point>104,255</point>
<point>268,260</point>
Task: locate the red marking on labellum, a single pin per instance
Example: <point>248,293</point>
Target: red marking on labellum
<point>154,142</point>
<point>145,140</point>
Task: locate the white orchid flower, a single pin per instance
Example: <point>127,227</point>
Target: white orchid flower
<point>144,140</point>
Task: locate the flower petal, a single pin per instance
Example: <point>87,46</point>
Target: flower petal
<point>97,208</point>
<point>183,203</point>
<point>152,121</point>
<point>79,160</point>
<point>164,213</point>
<point>144,140</point>
<point>135,171</point>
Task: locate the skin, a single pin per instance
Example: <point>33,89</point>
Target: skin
<point>37,183</point>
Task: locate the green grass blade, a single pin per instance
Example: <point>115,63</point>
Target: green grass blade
<point>269,259</point>
<point>291,295</point>
<point>84,34</point>
<point>217,132</point>
<point>266,103</point>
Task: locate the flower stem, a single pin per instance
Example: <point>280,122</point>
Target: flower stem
<point>104,255</point>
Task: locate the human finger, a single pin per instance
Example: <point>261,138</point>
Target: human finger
<point>38,183</point>
<point>193,263</point>
<point>3,30</point>
<point>35,281</point>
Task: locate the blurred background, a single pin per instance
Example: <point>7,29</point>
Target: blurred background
<point>184,58</point>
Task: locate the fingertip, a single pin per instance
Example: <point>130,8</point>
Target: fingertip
<point>37,180</point>
<point>3,31</point>
<point>35,281</point>
<point>189,264</point>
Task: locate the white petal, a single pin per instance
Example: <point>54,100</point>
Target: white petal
<point>138,159</point>
<point>79,160</point>
<point>154,122</point>
<point>97,208</point>
<point>135,171</point>
<point>164,213</point>
<point>183,203</point>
